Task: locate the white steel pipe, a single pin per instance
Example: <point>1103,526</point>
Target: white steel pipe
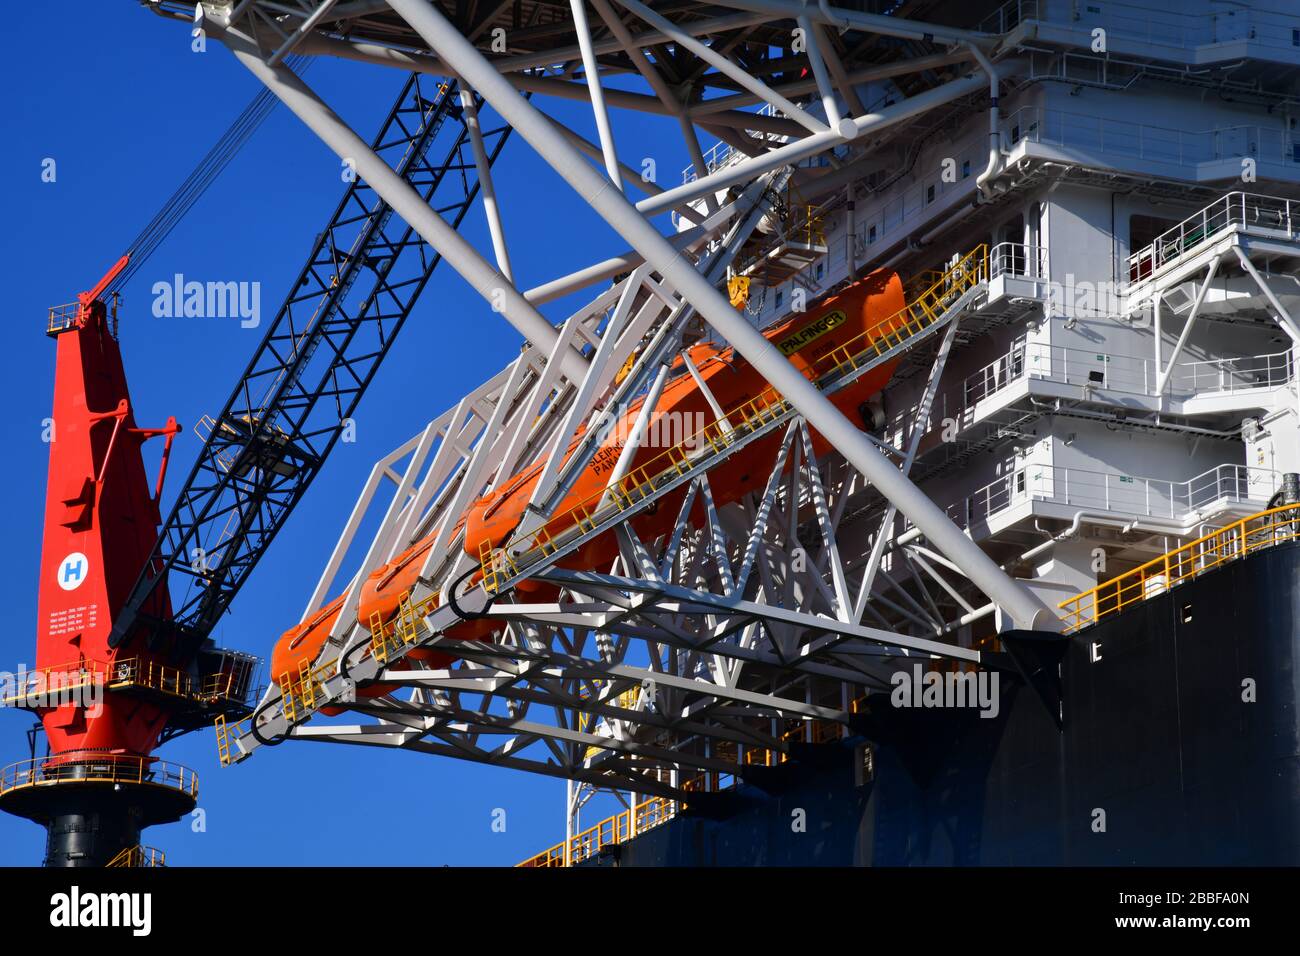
<point>487,189</point>
<point>406,202</point>
<point>592,68</point>
<point>1023,607</point>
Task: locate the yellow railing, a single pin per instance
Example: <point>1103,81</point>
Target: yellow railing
<point>1241,538</point>
<point>928,308</point>
<point>137,672</point>
<point>811,228</point>
<point>224,731</point>
<point>657,810</point>
<point>94,767</point>
<point>58,678</point>
<point>139,856</point>
<point>587,720</point>
<point>1263,530</point>
<point>62,317</point>
<point>129,673</point>
<point>609,832</point>
<point>301,692</point>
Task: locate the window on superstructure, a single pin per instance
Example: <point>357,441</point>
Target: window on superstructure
<point>780,297</point>
<point>1295,37</point>
<point>929,194</point>
<point>871,234</point>
<point>821,267</point>
<point>965,169</point>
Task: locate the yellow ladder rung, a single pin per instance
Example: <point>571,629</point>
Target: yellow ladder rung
<point>223,740</point>
<point>308,685</point>
<point>288,704</point>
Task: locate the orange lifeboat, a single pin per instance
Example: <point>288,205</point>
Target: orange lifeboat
<point>814,341</point>
<point>683,418</point>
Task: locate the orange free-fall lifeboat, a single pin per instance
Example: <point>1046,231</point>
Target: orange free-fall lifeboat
<point>865,311</point>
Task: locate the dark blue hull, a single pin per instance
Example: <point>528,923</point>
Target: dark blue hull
<point>1156,735</point>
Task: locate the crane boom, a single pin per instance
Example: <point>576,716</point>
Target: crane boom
<point>304,381</point>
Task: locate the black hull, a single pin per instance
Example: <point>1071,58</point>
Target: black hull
<point>1156,734</point>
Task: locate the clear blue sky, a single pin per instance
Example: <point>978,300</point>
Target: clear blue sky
<point>116,97</point>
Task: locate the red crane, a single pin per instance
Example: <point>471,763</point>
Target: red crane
<point>123,663</point>
<point>99,785</point>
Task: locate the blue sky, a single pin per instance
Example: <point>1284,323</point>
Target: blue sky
<point>126,110</point>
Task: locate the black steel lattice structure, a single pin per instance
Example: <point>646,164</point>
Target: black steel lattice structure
<point>291,405</point>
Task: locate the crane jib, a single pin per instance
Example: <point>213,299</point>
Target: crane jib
<point>290,406</point>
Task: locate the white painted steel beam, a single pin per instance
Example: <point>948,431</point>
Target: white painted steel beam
<point>1022,606</point>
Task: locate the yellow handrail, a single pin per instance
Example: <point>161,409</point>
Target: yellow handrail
<point>499,565</point>
<point>94,767</point>
<point>131,672</point>
<point>138,856</point>
<point>1262,530</point>
<point>608,832</point>
<point>656,810</point>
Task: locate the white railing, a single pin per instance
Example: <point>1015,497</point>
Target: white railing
<point>722,154</point>
<point>1019,260</point>
<point>1066,129</point>
<point>999,374</point>
<point>1235,210</point>
<point>1146,25</point>
<point>1233,374</point>
<point>1011,14</point>
<point>1092,369</point>
<point>1108,491</point>
<point>1123,373</point>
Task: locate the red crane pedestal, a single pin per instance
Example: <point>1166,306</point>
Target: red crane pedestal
<point>103,708</point>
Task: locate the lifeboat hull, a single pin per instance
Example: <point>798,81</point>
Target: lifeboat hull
<point>683,417</point>
<point>813,341</point>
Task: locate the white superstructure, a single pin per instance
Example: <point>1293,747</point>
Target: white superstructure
<point>1104,367</point>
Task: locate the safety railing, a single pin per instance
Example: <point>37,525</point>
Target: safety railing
<point>135,856</point>
<point>1018,260</point>
<point>1144,24</point>
<point>135,674</point>
<point>657,810</point>
<point>302,691</point>
<point>141,673</point>
<point>1010,15</point>
<point>722,154</point>
<point>1233,375</point>
<point>1122,373</point>
<point>228,731</point>
<point>1236,210</point>
<point>1237,540</point>
<point>608,832</point>
<point>62,317</point>
<point>806,731</point>
<point>96,767</point>
<point>700,449</point>
<point>1108,491</point>
<point>1070,130</point>
<point>59,681</point>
